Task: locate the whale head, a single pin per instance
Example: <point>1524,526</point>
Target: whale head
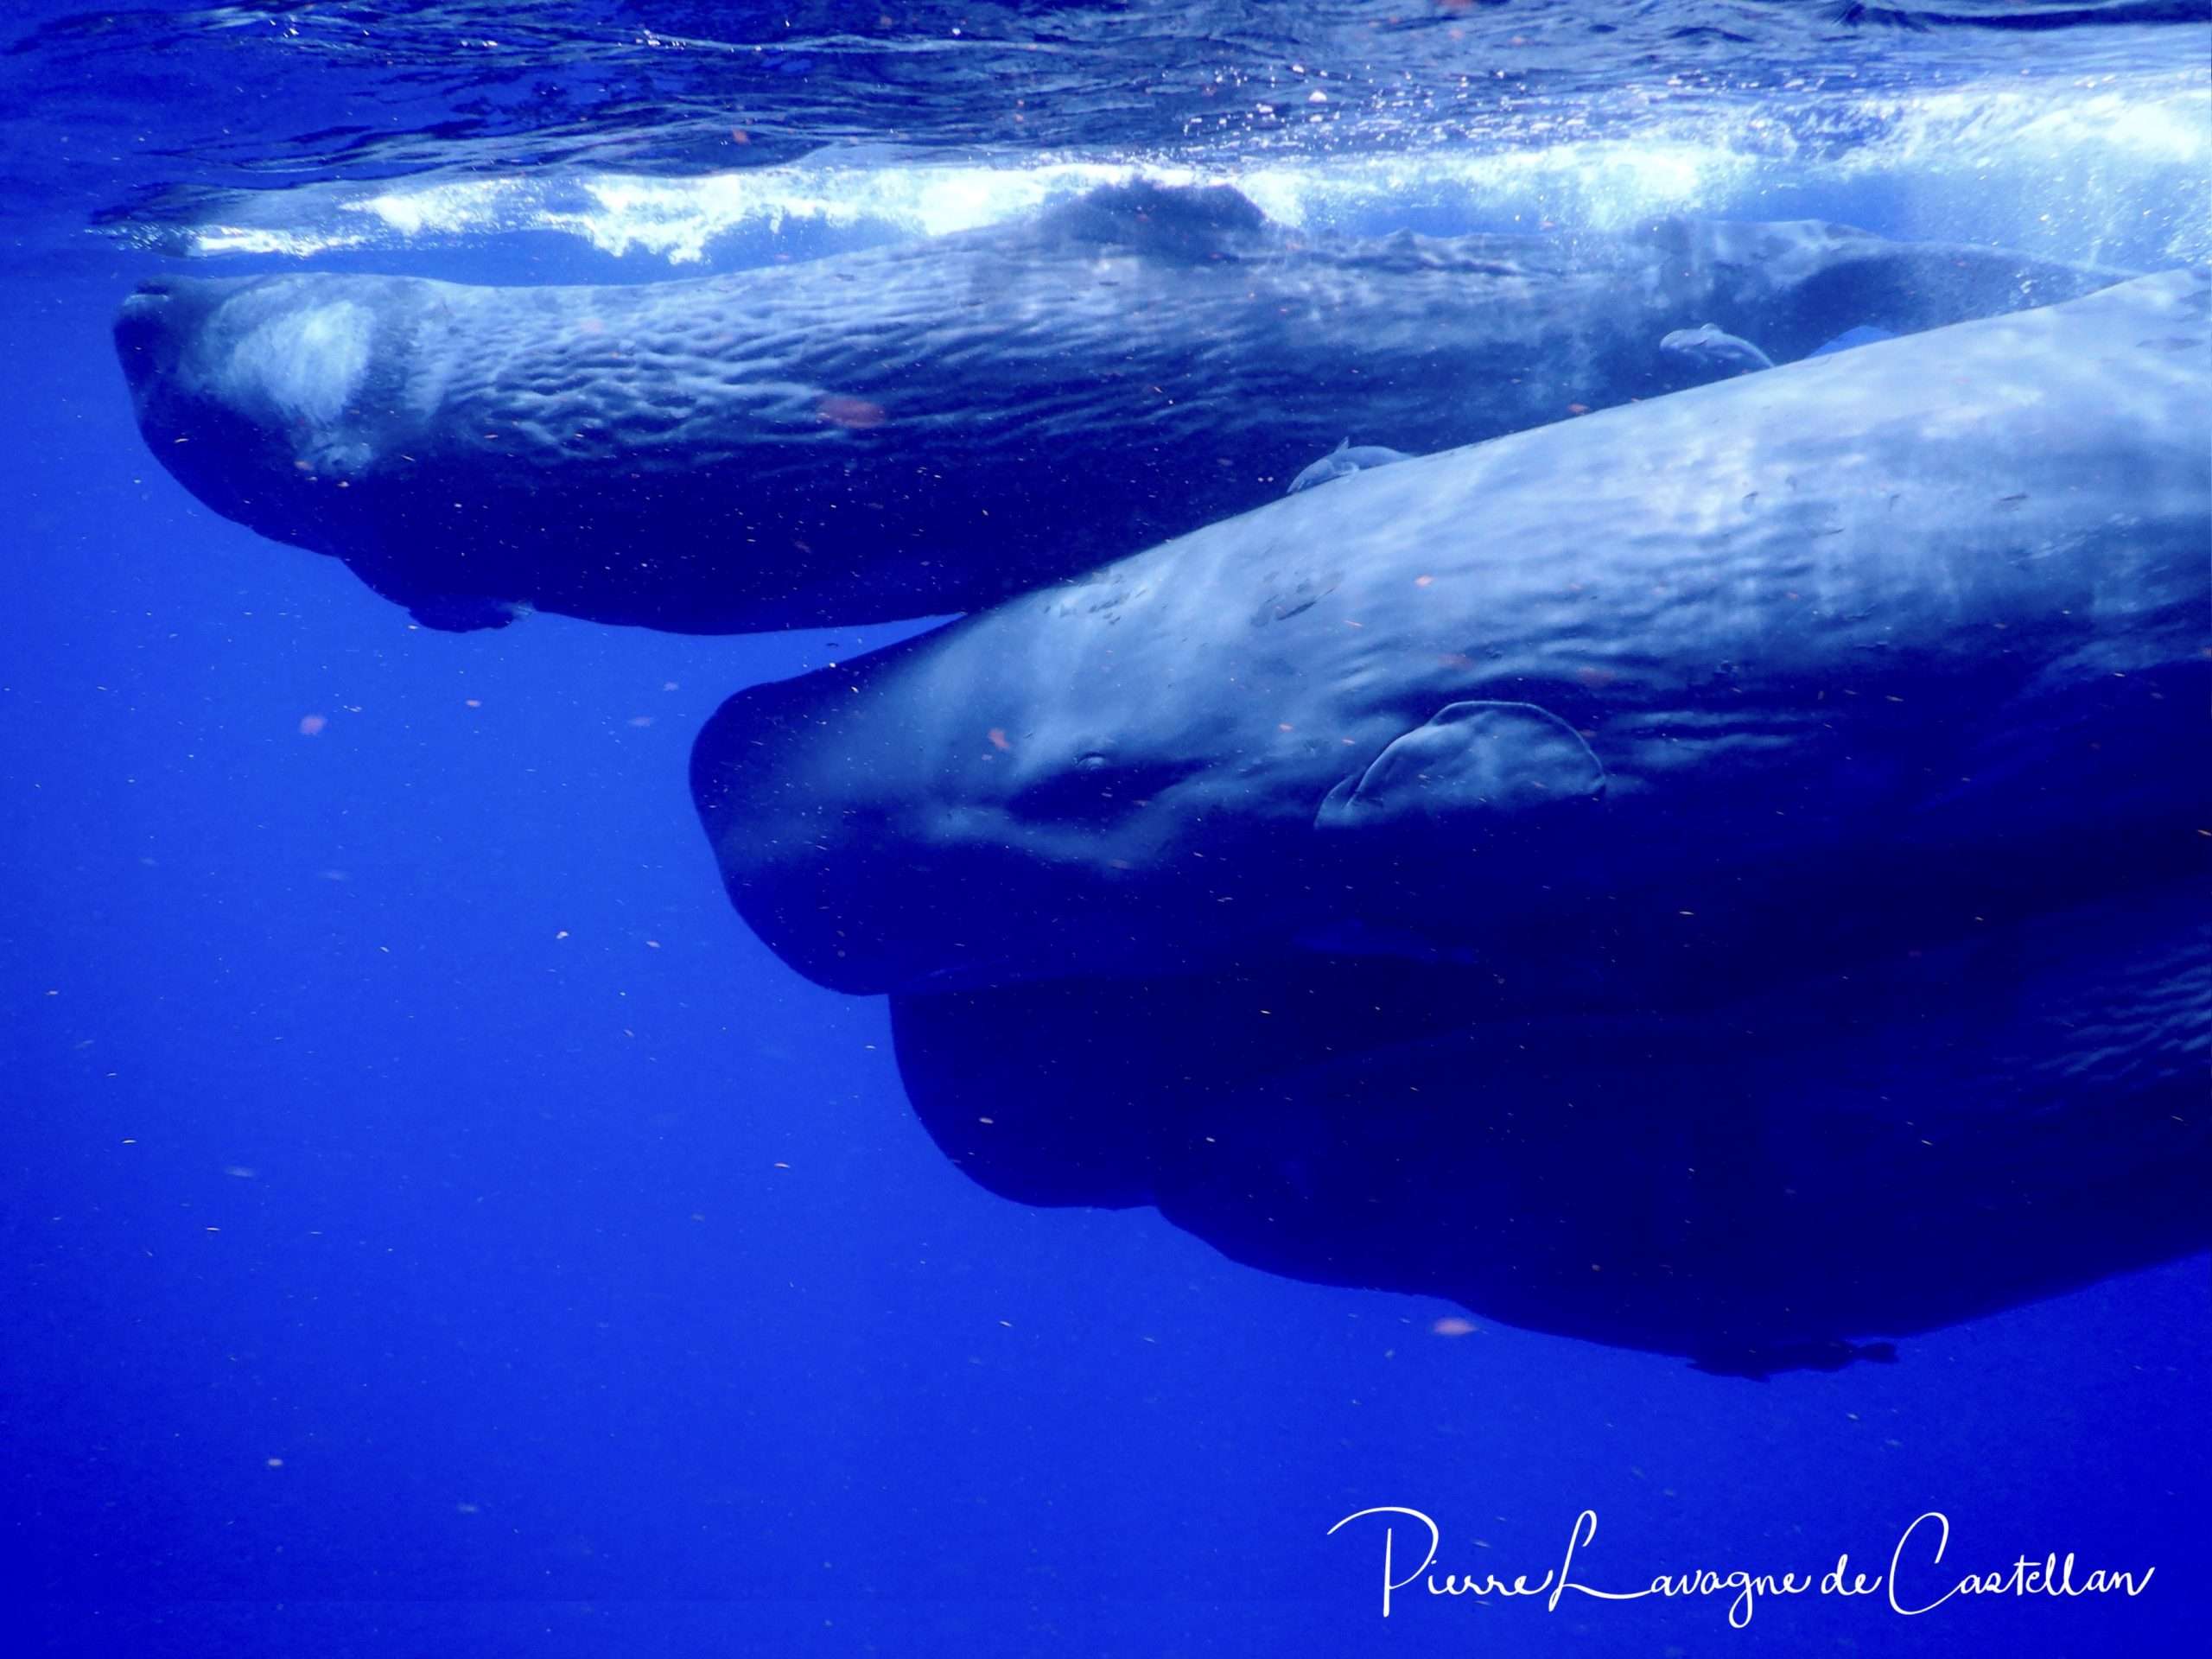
<point>263,394</point>
<point>1136,775</point>
<point>901,822</point>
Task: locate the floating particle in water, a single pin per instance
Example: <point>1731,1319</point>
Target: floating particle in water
<point>1449,1325</point>
<point>310,724</point>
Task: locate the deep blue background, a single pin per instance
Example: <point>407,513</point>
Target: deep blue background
<point>429,1223</point>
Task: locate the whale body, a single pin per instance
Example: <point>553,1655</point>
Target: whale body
<point>933,427</point>
<point>1809,667</point>
<point>1776,1182</point>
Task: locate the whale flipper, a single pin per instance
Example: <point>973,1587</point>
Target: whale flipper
<point>1761,1363</point>
<point>465,613</point>
<point>1480,760</point>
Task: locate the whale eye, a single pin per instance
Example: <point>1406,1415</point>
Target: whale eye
<point>1093,789</point>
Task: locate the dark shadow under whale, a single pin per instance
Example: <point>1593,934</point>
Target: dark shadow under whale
<point>1760,1187</point>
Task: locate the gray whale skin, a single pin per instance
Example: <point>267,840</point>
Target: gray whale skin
<point>933,427</point>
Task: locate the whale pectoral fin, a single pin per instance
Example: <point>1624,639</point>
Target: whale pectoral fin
<point>464,614</point>
<point>1762,1364</point>
<point>1494,762</point>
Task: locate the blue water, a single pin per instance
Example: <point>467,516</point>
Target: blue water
<point>431,1223</point>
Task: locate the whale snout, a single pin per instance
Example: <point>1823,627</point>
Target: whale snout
<point>270,353</point>
<point>232,383</point>
<point>797,834</point>
<point>161,333</point>
<point>874,854</point>
<point>156,333</point>
<point>146,335</point>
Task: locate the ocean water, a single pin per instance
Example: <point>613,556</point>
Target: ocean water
<point>434,1222</point>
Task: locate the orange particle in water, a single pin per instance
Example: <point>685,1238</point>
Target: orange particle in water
<point>855,414</point>
<point>740,136</point>
<point>998,738</point>
<point>1577,409</point>
<point>1423,582</point>
<point>1451,1326</point>
<point>310,724</point>
<point>1595,677</point>
<point>591,326</point>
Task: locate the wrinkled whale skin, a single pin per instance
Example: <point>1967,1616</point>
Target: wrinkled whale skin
<point>1933,1138</point>
<point>1842,658</point>
<point>930,428</point>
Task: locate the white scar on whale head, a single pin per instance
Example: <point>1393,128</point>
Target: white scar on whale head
<point>307,363</point>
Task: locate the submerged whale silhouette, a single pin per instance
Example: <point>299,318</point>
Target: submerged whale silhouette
<point>1814,666</point>
<point>933,427</point>
<point>1758,1187</point>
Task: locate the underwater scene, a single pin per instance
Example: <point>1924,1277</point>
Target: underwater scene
<point>1165,827</point>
